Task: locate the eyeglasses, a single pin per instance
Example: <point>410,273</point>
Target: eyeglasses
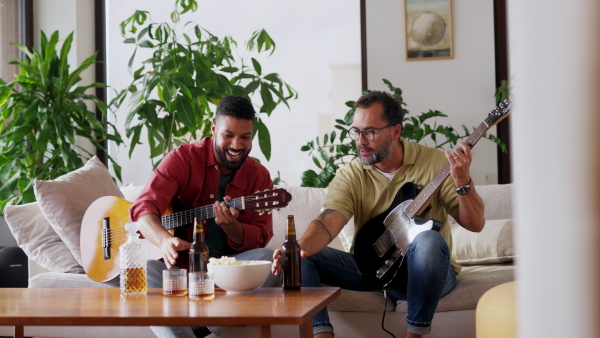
<point>368,135</point>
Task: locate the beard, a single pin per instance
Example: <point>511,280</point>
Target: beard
<point>378,155</point>
<point>231,165</point>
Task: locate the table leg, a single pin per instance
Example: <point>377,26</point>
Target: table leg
<point>306,330</point>
<point>265,331</point>
<point>19,331</point>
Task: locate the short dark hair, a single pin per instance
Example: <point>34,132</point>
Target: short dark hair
<point>236,107</point>
<point>392,110</point>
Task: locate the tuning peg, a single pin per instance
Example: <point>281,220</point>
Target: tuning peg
<point>261,213</point>
<point>270,212</point>
<point>257,191</point>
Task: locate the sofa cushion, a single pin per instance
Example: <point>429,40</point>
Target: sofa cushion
<point>38,239</point>
<point>65,200</point>
<point>306,205</point>
<point>494,244</point>
<point>131,191</point>
<point>497,199</point>
<point>360,301</point>
<point>471,284</point>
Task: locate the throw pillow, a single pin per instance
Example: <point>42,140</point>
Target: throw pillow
<point>38,239</point>
<point>494,244</point>
<point>65,200</point>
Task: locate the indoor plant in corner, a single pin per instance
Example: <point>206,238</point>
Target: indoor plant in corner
<point>43,112</point>
<point>174,93</point>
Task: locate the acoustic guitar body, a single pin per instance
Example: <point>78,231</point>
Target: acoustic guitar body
<point>99,264</point>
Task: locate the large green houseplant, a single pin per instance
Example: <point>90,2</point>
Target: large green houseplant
<point>43,112</point>
<point>334,152</point>
<point>173,95</point>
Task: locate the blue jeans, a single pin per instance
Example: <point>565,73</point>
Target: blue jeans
<point>427,278</point>
<point>155,269</point>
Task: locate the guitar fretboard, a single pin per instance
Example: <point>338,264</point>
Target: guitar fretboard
<point>178,219</point>
<point>425,195</point>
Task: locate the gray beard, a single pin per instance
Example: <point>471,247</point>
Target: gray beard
<point>378,155</point>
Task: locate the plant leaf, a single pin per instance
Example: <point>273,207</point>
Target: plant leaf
<point>257,66</point>
<point>264,139</point>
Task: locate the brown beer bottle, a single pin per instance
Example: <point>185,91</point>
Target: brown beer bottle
<point>290,257</point>
<point>199,250</point>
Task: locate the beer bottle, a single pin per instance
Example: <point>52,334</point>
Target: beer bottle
<point>199,249</point>
<point>290,257</point>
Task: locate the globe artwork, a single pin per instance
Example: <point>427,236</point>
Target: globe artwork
<point>428,29</point>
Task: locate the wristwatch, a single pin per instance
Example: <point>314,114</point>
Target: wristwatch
<point>464,189</point>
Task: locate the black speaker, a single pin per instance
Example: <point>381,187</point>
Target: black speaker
<point>13,268</point>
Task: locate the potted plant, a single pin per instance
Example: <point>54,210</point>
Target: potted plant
<point>333,155</point>
<point>43,112</point>
<point>174,93</point>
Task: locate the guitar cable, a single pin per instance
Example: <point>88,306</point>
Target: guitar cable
<point>384,311</point>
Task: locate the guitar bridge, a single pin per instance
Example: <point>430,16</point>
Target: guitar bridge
<point>105,236</point>
<point>388,263</point>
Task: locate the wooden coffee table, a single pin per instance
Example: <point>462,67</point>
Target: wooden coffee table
<point>91,307</point>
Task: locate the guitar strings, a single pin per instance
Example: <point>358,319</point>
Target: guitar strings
<point>432,186</point>
<point>119,235</point>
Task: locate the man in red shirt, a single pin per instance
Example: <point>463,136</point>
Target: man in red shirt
<point>207,172</point>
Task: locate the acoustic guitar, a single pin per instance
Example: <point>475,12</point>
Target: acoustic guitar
<point>381,243</point>
<point>103,227</point>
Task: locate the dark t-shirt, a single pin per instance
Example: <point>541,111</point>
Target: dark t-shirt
<point>216,239</point>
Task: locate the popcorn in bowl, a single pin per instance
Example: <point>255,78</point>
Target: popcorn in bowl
<point>225,260</point>
<point>236,276</point>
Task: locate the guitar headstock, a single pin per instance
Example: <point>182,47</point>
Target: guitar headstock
<point>499,113</point>
<point>268,200</point>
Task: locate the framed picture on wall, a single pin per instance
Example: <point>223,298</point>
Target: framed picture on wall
<point>428,29</point>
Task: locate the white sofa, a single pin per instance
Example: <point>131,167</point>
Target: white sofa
<point>487,260</point>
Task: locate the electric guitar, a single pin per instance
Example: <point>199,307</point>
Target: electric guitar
<point>103,227</point>
<point>381,243</point>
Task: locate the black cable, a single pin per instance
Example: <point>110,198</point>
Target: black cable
<point>384,310</point>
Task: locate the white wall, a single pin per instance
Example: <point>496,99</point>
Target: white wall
<point>318,53</point>
<point>554,50</point>
<point>462,88</point>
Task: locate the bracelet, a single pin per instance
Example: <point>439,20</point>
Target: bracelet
<point>324,228</point>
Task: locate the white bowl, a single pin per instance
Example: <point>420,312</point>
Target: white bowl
<point>240,278</point>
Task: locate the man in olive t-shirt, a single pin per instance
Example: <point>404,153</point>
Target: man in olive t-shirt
<point>365,188</point>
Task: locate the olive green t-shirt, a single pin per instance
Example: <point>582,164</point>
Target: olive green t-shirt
<point>360,191</point>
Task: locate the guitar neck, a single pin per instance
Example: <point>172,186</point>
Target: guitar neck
<point>427,192</point>
<point>179,219</point>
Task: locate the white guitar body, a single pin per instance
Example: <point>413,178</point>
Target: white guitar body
<point>402,230</point>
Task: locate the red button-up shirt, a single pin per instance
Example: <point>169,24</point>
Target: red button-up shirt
<point>191,174</point>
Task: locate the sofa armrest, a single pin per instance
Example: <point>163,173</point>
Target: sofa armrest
<point>35,268</point>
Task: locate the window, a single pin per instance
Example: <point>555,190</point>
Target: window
<point>13,21</point>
